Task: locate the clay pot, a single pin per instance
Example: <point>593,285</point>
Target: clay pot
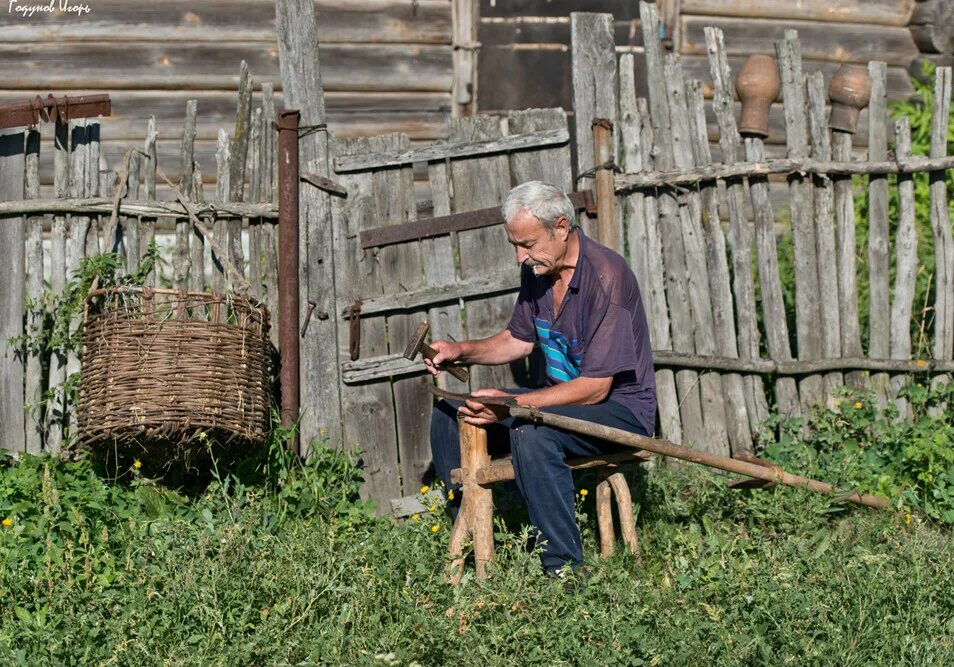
<point>849,92</point>
<point>758,85</point>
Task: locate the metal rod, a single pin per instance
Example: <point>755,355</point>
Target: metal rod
<point>45,109</point>
<point>288,267</point>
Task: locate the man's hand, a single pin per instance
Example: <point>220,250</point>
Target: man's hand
<point>447,352</point>
<point>479,414</point>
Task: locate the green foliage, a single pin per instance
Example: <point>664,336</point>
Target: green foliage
<point>858,445</point>
<point>274,562</point>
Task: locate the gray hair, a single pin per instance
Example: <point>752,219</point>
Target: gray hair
<point>544,201</point>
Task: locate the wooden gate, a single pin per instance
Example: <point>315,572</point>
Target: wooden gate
<point>463,283</point>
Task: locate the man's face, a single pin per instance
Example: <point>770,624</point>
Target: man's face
<point>537,247</point>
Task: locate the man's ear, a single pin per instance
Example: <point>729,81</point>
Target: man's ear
<point>562,228</point>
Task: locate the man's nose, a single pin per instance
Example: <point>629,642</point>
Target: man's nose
<point>522,255</point>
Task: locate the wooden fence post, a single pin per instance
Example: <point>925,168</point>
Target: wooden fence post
<point>906,267</point>
<point>670,226</point>
<point>12,248</point>
<point>941,226</point>
<point>34,291</point>
<point>878,263</point>
<point>644,245</point>
<point>593,58</point>
<point>830,322</point>
<point>805,247</point>
<point>697,274</point>
<point>740,235</point>
<point>301,84</point>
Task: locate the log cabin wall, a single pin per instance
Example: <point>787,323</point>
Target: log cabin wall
<point>387,66</point>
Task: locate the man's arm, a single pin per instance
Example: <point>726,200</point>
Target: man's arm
<point>578,391</point>
<point>501,348</point>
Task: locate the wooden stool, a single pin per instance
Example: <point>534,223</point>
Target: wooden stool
<point>477,473</point>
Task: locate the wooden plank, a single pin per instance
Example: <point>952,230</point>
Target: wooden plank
<point>941,226</point>
<point>33,380</point>
<point>75,251</point>
<point>57,373</point>
<point>770,287</point>
<point>830,323</point>
<point>211,66</point>
<point>499,31</point>
<point>12,250</point>
<point>368,21</point>
<point>441,267</point>
<point>670,235</point>
<point>877,12</point>
<point>720,288</point>
<point>367,409</point>
<point>269,166</point>
<point>253,192</point>
<point>401,270</point>
<point>805,247</point>
<point>464,22</point>
<point>820,40</point>
<point>220,232</point>
<point>594,96</point>
<point>480,182</point>
<point>183,258</point>
<point>304,82</point>
<point>552,165</point>
<point>557,8</point>
<point>148,166</point>
<point>642,216</point>
<point>238,155</point>
<point>693,242</point>
<point>878,262</point>
<point>906,268</point>
<point>846,264</point>
<point>445,151</point>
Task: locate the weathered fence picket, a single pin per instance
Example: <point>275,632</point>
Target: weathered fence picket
<point>906,266</point>
<point>941,226</point>
<point>12,248</point>
<point>740,235</point>
<point>33,387</point>
<point>147,169</point>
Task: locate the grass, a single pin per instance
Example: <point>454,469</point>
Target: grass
<point>278,563</point>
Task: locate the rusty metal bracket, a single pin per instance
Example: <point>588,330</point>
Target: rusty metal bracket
<point>354,342</point>
<point>39,109</point>
<point>458,222</point>
<point>325,184</point>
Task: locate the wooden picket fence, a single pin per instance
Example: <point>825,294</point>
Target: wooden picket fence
<point>50,236</point>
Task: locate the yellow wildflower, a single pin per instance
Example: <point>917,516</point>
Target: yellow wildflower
<point>415,517</point>
<point>137,464</point>
<point>837,403</point>
<point>425,489</point>
<point>435,528</point>
<point>432,508</point>
<point>583,492</point>
<point>858,405</point>
<point>921,363</point>
<point>450,495</point>
<point>907,519</point>
<point>7,522</point>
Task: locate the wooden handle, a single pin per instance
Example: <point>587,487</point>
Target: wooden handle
<point>458,372</point>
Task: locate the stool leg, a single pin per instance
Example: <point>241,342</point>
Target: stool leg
<point>604,515</point>
<point>624,505</point>
<point>475,518</point>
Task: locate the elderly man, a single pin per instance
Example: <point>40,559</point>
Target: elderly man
<point>580,303</point>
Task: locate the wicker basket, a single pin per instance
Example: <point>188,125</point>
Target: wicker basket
<point>166,373</point>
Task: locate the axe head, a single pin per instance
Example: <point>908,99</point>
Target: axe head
<point>417,341</point>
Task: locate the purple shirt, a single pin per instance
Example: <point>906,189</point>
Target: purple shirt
<point>599,332</point>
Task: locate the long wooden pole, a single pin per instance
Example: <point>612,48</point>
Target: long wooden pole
<point>667,448</point>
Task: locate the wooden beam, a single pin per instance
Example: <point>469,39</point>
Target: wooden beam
<point>446,151</point>
<point>880,12</point>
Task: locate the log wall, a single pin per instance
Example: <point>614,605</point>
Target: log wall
<point>387,66</point>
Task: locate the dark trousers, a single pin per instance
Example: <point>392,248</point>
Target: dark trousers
<point>539,455</point>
